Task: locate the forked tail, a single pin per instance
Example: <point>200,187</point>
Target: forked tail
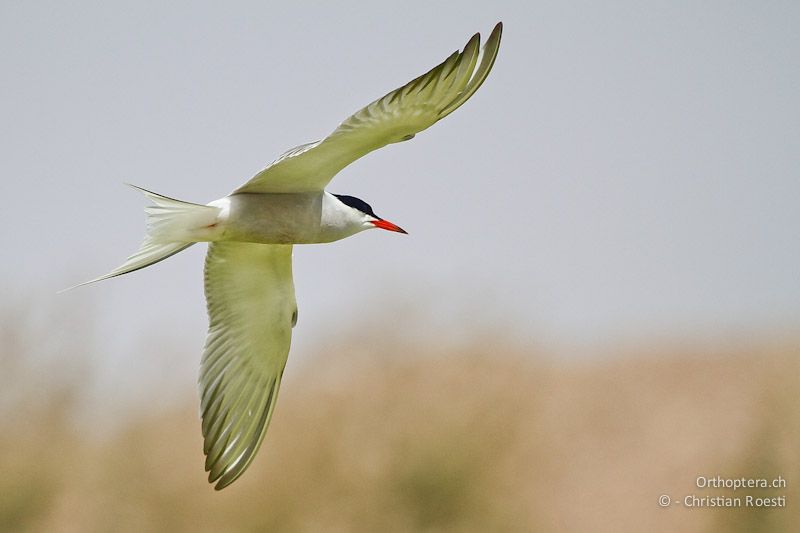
<point>172,226</point>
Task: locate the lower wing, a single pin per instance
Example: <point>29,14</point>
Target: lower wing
<point>251,310</point>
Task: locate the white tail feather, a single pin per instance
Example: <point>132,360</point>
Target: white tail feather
<point>172,226</point>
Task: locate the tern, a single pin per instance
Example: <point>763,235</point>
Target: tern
<point>248,269</point>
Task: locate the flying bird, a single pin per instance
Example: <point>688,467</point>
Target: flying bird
<point>248,269</point>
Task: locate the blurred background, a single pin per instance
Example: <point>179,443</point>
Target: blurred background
<point>598,301</point>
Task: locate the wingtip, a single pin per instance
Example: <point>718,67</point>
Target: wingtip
<point>474,41</point>
<point>224,478</point>
<point>214,480</point>
<point>497,32</point>
<point>220,485</point>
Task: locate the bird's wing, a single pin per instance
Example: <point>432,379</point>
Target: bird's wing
<point>251,310</point>
<point>396,117</point>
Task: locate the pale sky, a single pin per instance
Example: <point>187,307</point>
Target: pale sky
<point>628,168</point>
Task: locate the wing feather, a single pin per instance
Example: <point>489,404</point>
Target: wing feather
<point>251,303</point>
<point>396,117</point>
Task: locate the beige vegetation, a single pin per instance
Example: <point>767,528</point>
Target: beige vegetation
<point>481,438</point>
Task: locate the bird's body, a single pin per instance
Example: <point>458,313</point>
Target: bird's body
<point>284,218</point>
<point>248,271</point>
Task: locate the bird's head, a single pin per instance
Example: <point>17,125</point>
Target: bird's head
<point>368,217</point>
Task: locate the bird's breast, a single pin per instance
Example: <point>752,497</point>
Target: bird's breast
<point>275,218</point>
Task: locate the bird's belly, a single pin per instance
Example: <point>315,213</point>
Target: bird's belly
<point>291,218</point>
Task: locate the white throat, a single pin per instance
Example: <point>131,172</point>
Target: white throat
<point>338,220</point>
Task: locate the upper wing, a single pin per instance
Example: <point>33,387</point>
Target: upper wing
<point>396,117</point>
<point>251,310</point>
